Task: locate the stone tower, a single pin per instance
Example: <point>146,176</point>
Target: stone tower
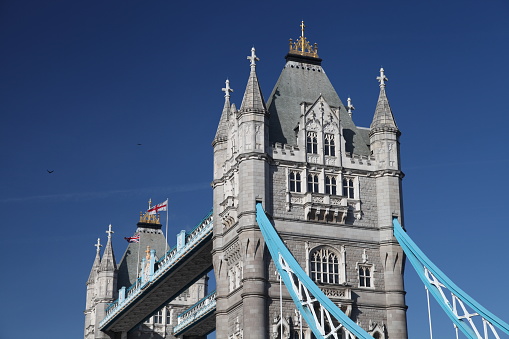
<point>330,188</point>
<point>107,278</point>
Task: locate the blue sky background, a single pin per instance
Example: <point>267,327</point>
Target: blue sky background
<point>83,82</point>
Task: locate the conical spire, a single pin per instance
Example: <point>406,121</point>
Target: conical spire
<point>383,119</point>
<point>222,128</point>
<point>108,262</point>
<point>97,262</point>
<point>253,99</point>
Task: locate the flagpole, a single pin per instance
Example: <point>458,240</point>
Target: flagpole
<point>138,262</point>
<point>166,234</point>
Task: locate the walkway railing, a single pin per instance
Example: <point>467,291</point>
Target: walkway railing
<point>185,243</point>
<point>202,308</point>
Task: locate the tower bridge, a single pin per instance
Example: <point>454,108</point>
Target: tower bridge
<point>301,197</point>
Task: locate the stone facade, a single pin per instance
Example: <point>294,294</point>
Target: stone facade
<point>107,277</point>
<point>330,189</point>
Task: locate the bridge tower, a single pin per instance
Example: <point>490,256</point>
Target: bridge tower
<point>101,289</point>
<point>107,278</point>
<point>330,189</point>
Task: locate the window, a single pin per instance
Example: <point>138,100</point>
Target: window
<point>324,266</point>
<point>168,315</point>
<point>329,145</point>
<point>348,190</point>
<point>158,317</point>
<point>295,181</point>
<point>313,183</point>
<point>364,276</point>
<point>330,185</point>
<point>311,143</point>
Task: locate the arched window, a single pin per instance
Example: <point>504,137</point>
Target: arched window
<point>330,185</point>
<point>313,183</point>
<point>329,145</point>
<point>348,190</point>
<point>312,143</point>
<point>295,181</point>
<point>324,266</point>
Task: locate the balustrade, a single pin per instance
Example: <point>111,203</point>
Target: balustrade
<point>192,239</point>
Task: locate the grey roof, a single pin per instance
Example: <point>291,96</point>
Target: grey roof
<point>383,120</point>
<point>95,267</point>
<point>222,127</point>
<point>253,98</point>
<point>108,262</point>
<point>150,235</point>
<point>303,81</point>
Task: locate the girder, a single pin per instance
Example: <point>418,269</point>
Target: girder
<point>179,269</point>
<point>469,316</point>
<point>323,317</point>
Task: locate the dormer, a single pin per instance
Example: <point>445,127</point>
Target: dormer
<point>319,133</point>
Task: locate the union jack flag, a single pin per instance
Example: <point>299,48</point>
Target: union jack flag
<point>134,238</point>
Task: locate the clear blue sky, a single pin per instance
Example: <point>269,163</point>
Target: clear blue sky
<point>82,83</point>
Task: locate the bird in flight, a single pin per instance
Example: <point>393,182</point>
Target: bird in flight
<point>50,171</point>
<point>139,144</point>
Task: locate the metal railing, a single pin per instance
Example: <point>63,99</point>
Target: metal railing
<point>196,312</point>
<point>166,263</point>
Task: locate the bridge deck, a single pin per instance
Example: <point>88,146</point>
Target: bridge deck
<point>175,272</point>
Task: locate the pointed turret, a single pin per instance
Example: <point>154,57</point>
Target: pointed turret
<point>383,120</point>
<point>222,128</point>
<point>96,264</point>
<point>91,288</point>
<point>108,262</point>
<point>253,98</point>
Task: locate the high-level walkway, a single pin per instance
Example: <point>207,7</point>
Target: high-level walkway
<point>164,280</point>
<point>198,320</point>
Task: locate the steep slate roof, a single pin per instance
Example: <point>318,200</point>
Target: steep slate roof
<point>383,120</point>
<point>108,262</point>
<point>222,128</point>
<point>253,98</point>
<point>150,235</point>
<point>96,264</point>
<point>303,80</point>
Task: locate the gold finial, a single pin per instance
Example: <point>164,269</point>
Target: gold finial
<point>302,46</point>
<point>149,218</point>
<point>148,253</point>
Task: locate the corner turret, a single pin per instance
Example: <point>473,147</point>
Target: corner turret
<point>91,293</point>
<point>384,133</point>
<point>106,286</point>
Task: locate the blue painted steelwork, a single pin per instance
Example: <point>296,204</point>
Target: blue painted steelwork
<point>304,292</point>
<point>206,306</point>
<point>435,280</point>
<point>165,264</point>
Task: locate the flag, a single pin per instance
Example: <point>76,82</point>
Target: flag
<point>158,208</point>
<point>134,238</point>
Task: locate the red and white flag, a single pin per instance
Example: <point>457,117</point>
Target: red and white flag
<point>158,208</point>
<point>134,238</point>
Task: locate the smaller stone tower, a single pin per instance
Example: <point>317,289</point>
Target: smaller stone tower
<point>101,289</point>
<point>106,278</point>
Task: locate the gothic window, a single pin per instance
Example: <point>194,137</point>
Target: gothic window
<point>158,317</point>
<point>295,181</point>
<point>312,143</point>
<point>348,190</point>
<point>365,276</point>
<point>330,185</point>
<point>329,145</point>
<point>313,183</point>
<point>324,266</point>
